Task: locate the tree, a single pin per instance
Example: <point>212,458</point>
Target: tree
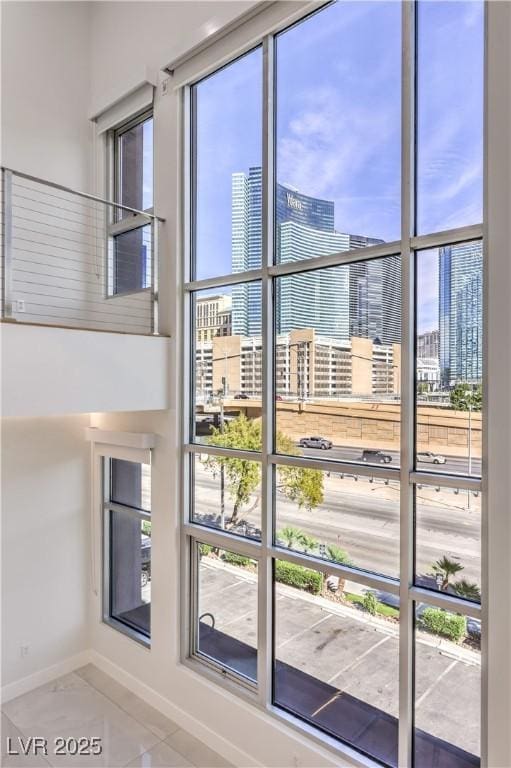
<point>447,569</point>
<point>308,543</point>
<point>289,535</point>
<point>465,395</point>
<point>467,589</point>
<point>370,603</point>
<point>337,555</point>
<point>303,486</point>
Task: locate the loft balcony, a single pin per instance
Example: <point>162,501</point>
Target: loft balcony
<point>79,297</point>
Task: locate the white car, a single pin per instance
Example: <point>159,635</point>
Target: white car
<point>430,457</point>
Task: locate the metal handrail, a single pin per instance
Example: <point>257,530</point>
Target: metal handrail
<point>51,294</point>
<point>85,195</point>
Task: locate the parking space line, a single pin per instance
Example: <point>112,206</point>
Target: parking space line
<point>357,661</point>
<point>206,592</point>
<point>428,690</point>
<point>303,631</point>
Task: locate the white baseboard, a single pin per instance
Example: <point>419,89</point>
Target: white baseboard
<point>184,719</point>
<point>26,684</point>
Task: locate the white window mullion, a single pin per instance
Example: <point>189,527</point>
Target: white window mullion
<point>406,619</point>
<point>265,586</point>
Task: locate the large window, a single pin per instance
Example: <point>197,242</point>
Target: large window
<point>333,424</point>
<point>127,546</point>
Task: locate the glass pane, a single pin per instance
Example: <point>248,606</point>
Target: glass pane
<point>227,610</point>
<point>130,269</point>
<point>342,518</point>
<point>227,494</point>
<point>447,689</point>
<point>448,540</point>
<point>130,483</point>
<point>228,366</point>
<point>336,662</point>
<point>450,358</point>
<point>136,167</point>
<point>228,146</point>
<point>337,366</point>
<point>130,571</point>
<point>338,130</point>
<point>450,51</point>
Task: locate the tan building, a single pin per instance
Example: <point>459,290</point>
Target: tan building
<point>307,366</point>
<point>213,316</point>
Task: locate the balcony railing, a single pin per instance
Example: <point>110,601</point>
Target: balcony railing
<point>70,259</point>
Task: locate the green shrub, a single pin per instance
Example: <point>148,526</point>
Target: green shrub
<point>440,622</point>
<point>370,603</point>
<point>205,549</point>
<point>299,577</point>
<point>233,559</point>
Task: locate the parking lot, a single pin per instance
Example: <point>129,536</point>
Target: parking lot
<point>351,651</point>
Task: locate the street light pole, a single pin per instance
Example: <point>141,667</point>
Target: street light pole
<point>222,473</point>
<point>468,401</point>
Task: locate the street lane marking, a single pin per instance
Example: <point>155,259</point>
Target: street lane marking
<point>428,690</point>
<point>357,661</point>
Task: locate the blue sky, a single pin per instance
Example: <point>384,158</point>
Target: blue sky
<point>338,124</point>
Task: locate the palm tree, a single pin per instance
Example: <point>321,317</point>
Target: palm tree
<point>309,543</point>
<point>447,569</point>
<point>291,536</point>
<point>467,589</point>
<point>338,555</point>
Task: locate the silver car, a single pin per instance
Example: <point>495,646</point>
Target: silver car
<point>430,457</point>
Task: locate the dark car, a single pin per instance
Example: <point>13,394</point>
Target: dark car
<point>315,442</point>
<point>241,396</point>
<point>376,457</point>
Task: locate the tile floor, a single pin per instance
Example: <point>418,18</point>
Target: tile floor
<point>90,703</point>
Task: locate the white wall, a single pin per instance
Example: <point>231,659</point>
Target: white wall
<point>135,39</point>
<point>45,543</point>
<point>52,371</point>
<point>45,90</point>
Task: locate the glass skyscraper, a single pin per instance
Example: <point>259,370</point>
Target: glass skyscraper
<point>460,313</point>
<point>354,300</point>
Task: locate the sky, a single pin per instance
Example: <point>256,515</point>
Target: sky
<point>338,123</point>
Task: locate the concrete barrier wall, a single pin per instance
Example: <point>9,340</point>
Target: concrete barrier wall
<point>370,424</point>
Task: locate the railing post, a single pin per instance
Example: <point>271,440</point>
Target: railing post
<point>7,244</point>
<point>155,225</point>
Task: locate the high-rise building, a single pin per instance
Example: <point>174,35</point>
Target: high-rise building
<point>375,295</point>
<point>362,299</point>
<point>460,313</point>
<point>213,317</point>
<point>317,299</point>
<point>304,229</point>
<point>428,345</point>
<point>246,249</point>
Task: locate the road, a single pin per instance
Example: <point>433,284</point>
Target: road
<point>363,518</point>
<point>454,464</point>
<point>342,647</point>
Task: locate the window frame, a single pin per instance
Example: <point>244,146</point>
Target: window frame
<point>267,552</point>
<point>115,224</point>
<point>104,455</point>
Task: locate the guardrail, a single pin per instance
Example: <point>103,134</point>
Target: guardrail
<point>75,260</point>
